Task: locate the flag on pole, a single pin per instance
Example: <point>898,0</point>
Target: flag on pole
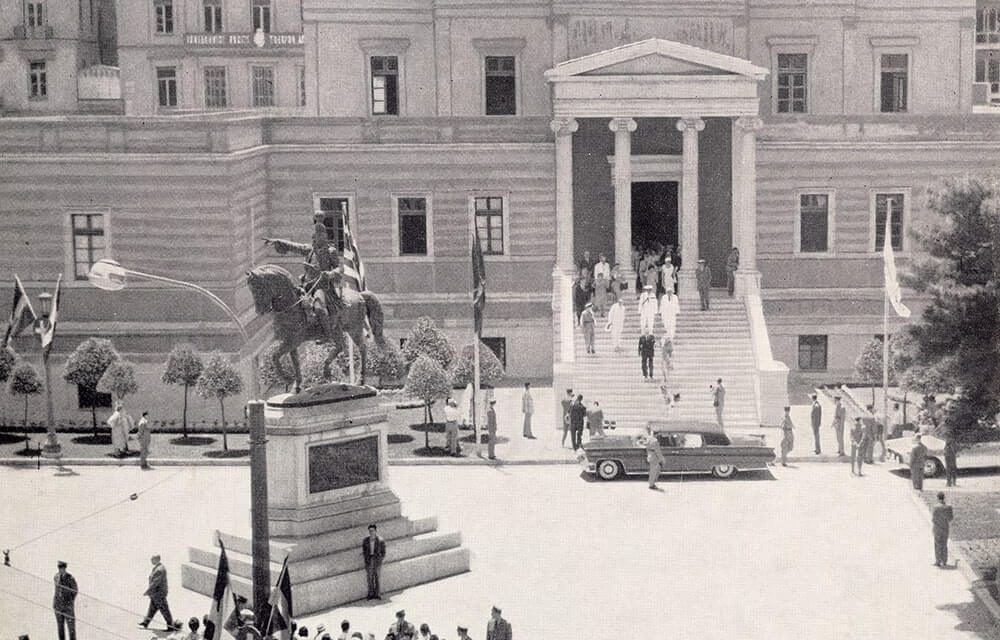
<point>22,315</point>
<point>478,283</point>
<point>222,599</point>
<point>892,289</point>
<point>281,605</point>
<point>49,331</point>
<point>354,269</point>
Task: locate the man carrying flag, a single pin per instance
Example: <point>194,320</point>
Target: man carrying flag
<point>281,605</point>
<point>22,315</point>
<point>222,599</point>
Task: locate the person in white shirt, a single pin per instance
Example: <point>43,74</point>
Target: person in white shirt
<point>528,409</point>
<point>451,416</point>
<point>670,306</point>
<point>647,308</point>
<point>616,324</point>
<point>602,268</point>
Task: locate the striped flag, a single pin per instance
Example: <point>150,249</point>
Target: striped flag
<point>353,268</point>
<point>892,289</point>
<point>22,315</point>
<point>478,283</point>
<point>49,331</point>
<point>222,599</point>
<point>281,605</point>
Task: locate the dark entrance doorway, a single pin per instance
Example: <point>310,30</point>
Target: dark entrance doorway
<point>654,214</point>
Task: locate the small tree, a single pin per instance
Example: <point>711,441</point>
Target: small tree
<point>183,368</point>
<point>219,379</point>
<point>490,369</point>
<point>427,381</point>
<point>118,380</point>
<point>385,361</point>
<point>868,366</point>
<point>87,364</point>
<point>426,339</point>
<point>24,381</point>
<point>7,361</point>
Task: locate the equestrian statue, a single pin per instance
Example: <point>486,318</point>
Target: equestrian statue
<point>318,306</point>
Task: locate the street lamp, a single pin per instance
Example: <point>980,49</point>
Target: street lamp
<point>109,275</point>
<point>51,448</point>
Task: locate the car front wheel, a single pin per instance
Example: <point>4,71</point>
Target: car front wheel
<point>932,468</point>
<point>723,471</point>
<point>608,469</point>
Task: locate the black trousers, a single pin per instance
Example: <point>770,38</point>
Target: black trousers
<point>69,620</point>
<point>159,603</point>
<point>374,570</point>
<point>577,437</point>
<point>647,365</point>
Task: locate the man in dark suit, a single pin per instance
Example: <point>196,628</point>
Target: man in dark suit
<point>815,418</point>
<point>157,592</point>
<point>647,349</point>
<point>63,602</point>
<point>373,549</point>
<point>941,516</point>
<point>497,628</point>
<point>577,415</point>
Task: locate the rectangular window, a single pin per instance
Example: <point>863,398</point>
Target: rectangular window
<point>38,88</point>
<point>412,226</point>
<point>812,353</point>
<point>300,72</point>
<point>35,14</point>
<point>215,87</point>
<point>385,85</point>
<point>166,86</point>
<point>988,24</point>
<point>88,242</point>
<point>814,222</point>
<point>501,89</point>
<point>988,70</point>
<point>334,208</point>
<point>895,81</point>
<point>499,348</point>
<point>263,86</point>
<point>260,11</point>
<point>883,202</point>
<point>489,224</point>
<point>213,15</point>
<point>792,77</point>
<point>164,15</point>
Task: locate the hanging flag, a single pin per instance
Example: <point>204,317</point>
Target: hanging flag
<point>353,268</point>
<point>892,289</point>
<point>222,599</point>
<point>22,315</point>
<point>49,331</point>
<point>281,605</point>
<point>478,283</point>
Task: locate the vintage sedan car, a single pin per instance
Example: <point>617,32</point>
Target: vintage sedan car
<point>689,447</point>
<point>980,448</point>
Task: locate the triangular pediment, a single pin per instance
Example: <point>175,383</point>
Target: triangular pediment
<point>656,57</point>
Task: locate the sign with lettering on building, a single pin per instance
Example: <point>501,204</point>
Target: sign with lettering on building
<point>259,40</point>
<point>590,35</point>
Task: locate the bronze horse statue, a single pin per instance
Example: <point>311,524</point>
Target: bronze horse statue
<point>276,291</point>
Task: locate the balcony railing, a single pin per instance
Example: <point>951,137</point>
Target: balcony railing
<point>24,32</point>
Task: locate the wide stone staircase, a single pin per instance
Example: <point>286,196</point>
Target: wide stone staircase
<point>708,345</point>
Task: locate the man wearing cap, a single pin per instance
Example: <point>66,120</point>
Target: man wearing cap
<point>63,601</point>
<point>703,276</point>
<point>491,430</point>
<point>497,628</point>
<point>373,550</point>
<point>815,418</point>
<point>587,322</point>
<point>839,416</point>
<point>157,592</point>
<point>402,629</point>
<point>647,308</point>
<point>941,516</point>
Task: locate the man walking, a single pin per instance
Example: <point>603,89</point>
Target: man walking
<point>528,409</point>
<point>491,430</point>
<point>918,457</point>
<point>839,416</point>
<point>950,460</point>
<point>144,440</point>
<point>719,401</point>
<point>587,320</point>
<point>567,402</point>
<point>654,456</point>
<point>497,628</point>
<point>787,436</point>
<point>373,550</point>
<point>647,308</point>
<point>941,516</point>
<point>703,276</point>
<point>815,418</point>
<point>616,324</point>
<point>669,308</point>
<point>647,349</point>
<point>63,602</point>
<point>157,592</point>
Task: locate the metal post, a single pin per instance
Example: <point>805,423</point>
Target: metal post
<point>52,449</point>
<point>885,370</point>
<point>260,535</point>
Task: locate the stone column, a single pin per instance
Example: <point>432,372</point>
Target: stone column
<point>747,277</point>
<point>623,128</point>
<point>562,300</point>
<point>689,127</point>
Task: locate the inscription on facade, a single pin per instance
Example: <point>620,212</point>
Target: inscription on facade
<point>244,40</point>
<point>589,35</point>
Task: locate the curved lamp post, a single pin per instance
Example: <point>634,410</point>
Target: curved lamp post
<point>51,448</point>
<point>109,275</point>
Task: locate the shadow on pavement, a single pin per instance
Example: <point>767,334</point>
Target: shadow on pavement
<point>743,476</point>
<point>399,438</point>
<point>10,438</point>
<point>232,453</point>
<point>193,441</point>
<point>972,618</point>
<point>482,438</point>
<point>92,439</point>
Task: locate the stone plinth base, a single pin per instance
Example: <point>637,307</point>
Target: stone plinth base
<point>327,466</point>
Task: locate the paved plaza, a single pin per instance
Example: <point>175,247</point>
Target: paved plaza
<point>806,552</point>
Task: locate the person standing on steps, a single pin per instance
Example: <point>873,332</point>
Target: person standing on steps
<point>567,402</point>
<point>675,260</point>
<point>787,436</point>
<point>941,517</point>
<point>647,308</point>
<point>718,400</point>
<point>839,416</point>
<point>587,320</point>
<point>528,409</point>
<point>373,551</point>
<point>581,295</point>
<point>703,276</point>
<point>815,418</point>
<point>669,308</point>
<point>647,349</point>
<point>616,324</point>
<point>666,357</point>
<point>732,264</point>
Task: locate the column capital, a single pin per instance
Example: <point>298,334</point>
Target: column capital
<point>623,124</point>
<point>694,124</point>
<point>564,126</point>
<point>749,123</point>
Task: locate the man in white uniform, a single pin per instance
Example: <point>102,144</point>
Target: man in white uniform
<point>647,309</point>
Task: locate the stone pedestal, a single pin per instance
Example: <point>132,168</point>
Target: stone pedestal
<point>327,481</point>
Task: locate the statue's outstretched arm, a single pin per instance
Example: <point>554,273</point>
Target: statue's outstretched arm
<point>287,246</point>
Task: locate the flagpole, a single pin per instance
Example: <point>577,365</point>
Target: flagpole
<point>475,388</point>
<point>885,329</point>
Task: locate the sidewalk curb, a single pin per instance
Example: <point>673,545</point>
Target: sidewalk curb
<point>245,462</point>
<point>976,584</point>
